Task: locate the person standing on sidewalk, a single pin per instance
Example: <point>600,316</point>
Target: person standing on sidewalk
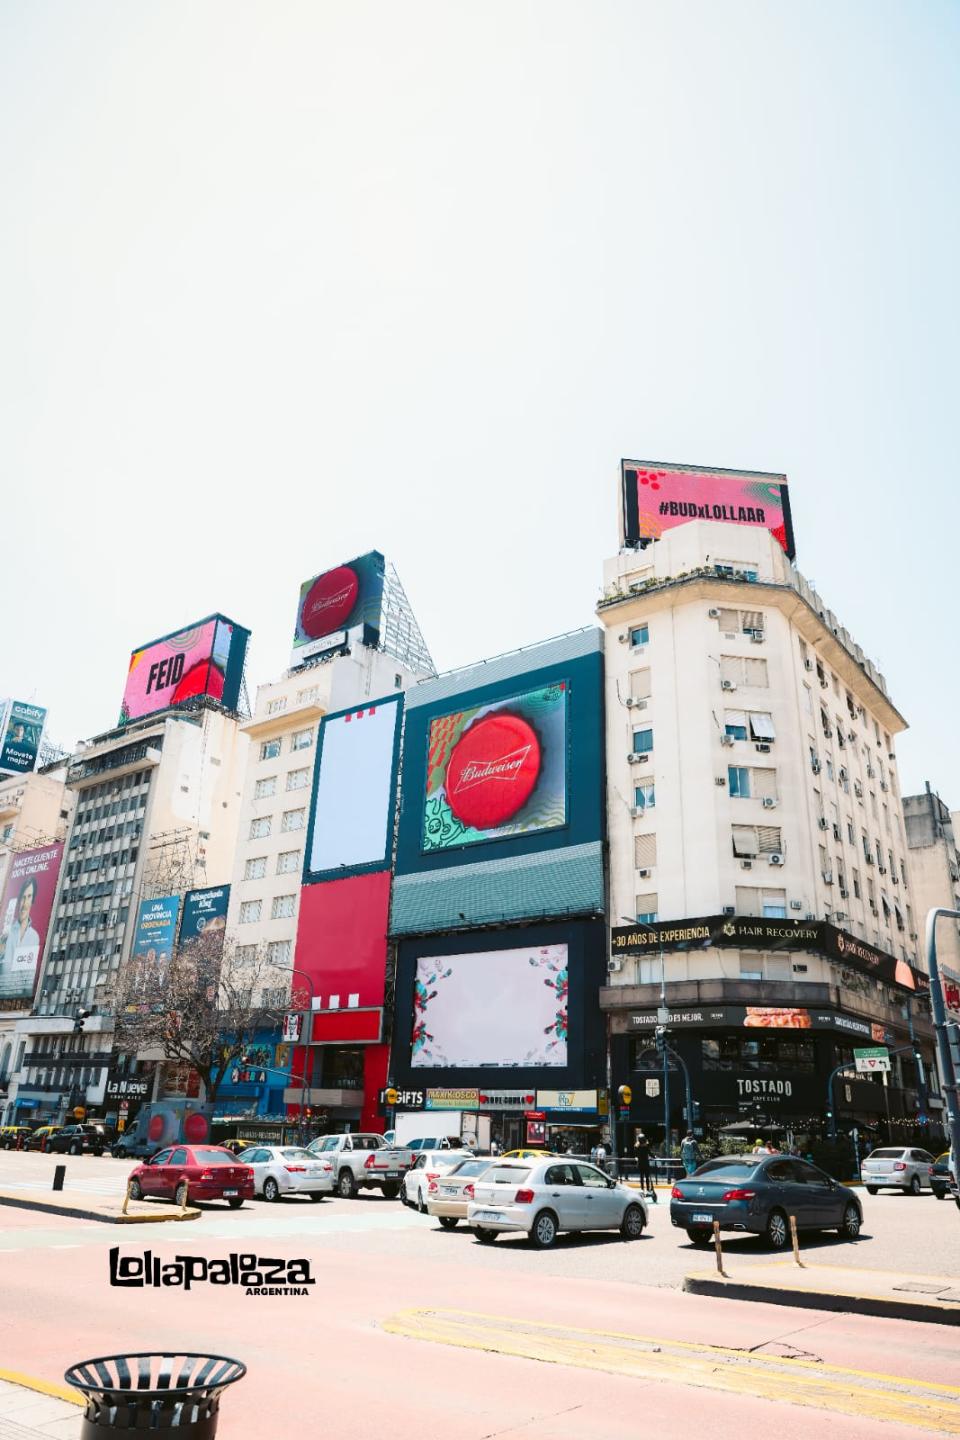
<point>689,1153</point>
<point>641,1148</point>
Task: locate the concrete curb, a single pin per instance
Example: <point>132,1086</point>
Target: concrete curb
<point>82,1212</point>
<point>824,1298</point>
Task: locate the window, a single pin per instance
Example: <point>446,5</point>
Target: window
<point>260,828</point>
<point>748,900</point>
<point>642,742</point>
<point>735,724</point>
<point>255,869</point>
<point>738,781</point>
<point>278,953</point>
<point>250,912</point>
<point>301,740</point>
<point>292,820</point>
<point>265,788</point>
<point>851,833</point>
<point>639,635</point>
<point>645,851</point>
<point>270,749</point>
<point>298,779</point>
<point>808,699</point>
<point>775,904</point>
<point>276,997</point>
<point>282,907</point>
<point>855,875</point>
<point>751,968</point>
<point>744,670</point>
<point>761,725</point>
<point>288,862</point>
<point>306,697</point>
<point>769,838</point>
<point>645,796</point>
<point>647,909</point>
<point>745,841</point>
<point>640,688</point>
<point>764,783</point>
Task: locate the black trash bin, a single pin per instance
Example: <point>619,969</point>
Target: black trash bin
<point>176,1395</point>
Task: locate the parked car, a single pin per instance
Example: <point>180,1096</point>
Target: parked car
<point>41,1137</point>
<point>940,1176</point>
<point>526,1154</point>
<point>540,1198</point>
<point>195,1172</point>
<point>428,1166</point>
<point>89,1139</point>
<point>449,1195</point>
<point>9,1133</point>
<point>237,1147</point>
<point>758,1194</point>
<point>435,1142</point>
<point>280,1170</point>
<point>898,1167</point>
<point>363,1162</point>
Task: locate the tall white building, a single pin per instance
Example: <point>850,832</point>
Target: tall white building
<point>755,822</point>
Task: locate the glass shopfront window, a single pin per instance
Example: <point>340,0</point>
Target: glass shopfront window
<point>740,1052</point>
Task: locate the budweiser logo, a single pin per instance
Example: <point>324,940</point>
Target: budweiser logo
<point>322,603</point>
<point>506,767</point>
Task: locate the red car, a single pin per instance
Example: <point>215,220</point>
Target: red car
<point>200,1172</point>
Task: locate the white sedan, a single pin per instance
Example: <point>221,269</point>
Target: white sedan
<point>280,1170</point>
<point>544,1197</point>
<point>423,1173</point>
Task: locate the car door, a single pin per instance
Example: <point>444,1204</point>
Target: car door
<point>564,1193</point>
<point>174,1170</point>
<point>822,1199</point>
<point>921,1162</point>
<point>782,1191</point>
<point>151,1178</point>
<point>256,1158</point>
<point>601,1203</point>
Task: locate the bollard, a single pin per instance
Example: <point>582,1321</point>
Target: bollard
<point>186,1198</point>
<point>719,1249</point>
<point>126,1199</point>
<point>58,1176</point>
<point>796,1242</point>
<point>174,1394</point>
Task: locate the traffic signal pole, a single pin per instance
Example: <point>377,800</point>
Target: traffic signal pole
<point>948,1072</point>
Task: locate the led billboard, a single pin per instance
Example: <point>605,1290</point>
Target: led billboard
<point>497,769</point>
<point>204,659</point>
<point>498,1008</point>
<point>336,601</point>
<point>24,916</point>
<point>658,497</point>
<point>354,789</point>
<point>21,730</point>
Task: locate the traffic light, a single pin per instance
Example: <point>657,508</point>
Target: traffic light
<point>953,1040</point>
<point>82,1017</point>
<point>660,1035</point>
<point>694,1112</point>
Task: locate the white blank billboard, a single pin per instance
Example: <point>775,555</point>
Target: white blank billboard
<point>353,804</point>
<point>493,1007</point>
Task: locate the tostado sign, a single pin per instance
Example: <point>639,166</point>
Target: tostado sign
<point>758,1017</point>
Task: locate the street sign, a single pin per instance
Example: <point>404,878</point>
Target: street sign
<point>874,1059</point>
<point>663,1015</point>
<point>652,1088</point>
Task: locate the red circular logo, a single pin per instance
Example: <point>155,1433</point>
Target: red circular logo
<point>201,679</point>
<point>493,770</point>
<point>328,602</point>
<point>156,1126</point>
<point>196,1128</point>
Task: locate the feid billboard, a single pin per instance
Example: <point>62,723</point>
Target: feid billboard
<point>657,497</point>
<point>203,659</point>
<point>337,601</point>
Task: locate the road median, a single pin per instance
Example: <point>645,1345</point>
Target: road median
<point>928,1298</point>
<point>86,1207</point>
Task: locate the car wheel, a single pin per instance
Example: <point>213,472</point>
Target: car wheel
<point>316,1195</point>
<point>181,1193</point>
<point>632,1225</point>
<point>390,1192</point>
<point>448,1222</point>
<point>777,1232</point>
<point>346,1185</point>
<point>487,1237</point>
<point>136,1190</point>
<point>421,1203</point>
<point>544,1230</point>
<point>76,1149</point>
<point>915,1186</point>
<point>872,1189</point>
<point>271,1190</point>
<point>939,1194</point>
<point>699,1237</point>
<point>235,1201</point>
<point>850,1229</point>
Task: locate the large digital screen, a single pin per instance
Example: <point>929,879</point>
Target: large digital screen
<point>339,600</point>
<point>658,497</point>
<point>204,659</point>
<point>342,939</point>
<point>24,916</point>
<point>21,730</point>
<point>498,769</point>
<point>352,814</point>
<point>496,1008</point>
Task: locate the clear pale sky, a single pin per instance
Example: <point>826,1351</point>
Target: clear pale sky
<point>282,282</point>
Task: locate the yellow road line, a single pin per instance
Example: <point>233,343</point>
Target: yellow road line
<point>932,1408</point>
<point>43,1387</point>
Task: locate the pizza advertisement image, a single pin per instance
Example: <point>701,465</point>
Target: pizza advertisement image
<point>497,770</point>
<point>770,1017</point>
<point>658,497</point>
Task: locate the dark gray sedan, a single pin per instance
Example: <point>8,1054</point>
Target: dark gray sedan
<point>758,1194</point>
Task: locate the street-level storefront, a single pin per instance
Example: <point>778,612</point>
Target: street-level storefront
<point>513,1119</point>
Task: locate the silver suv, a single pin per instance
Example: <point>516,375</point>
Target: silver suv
<point>898,1168</point>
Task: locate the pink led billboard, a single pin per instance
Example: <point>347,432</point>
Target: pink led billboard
<point>657,497</point>
<point>203,659</point>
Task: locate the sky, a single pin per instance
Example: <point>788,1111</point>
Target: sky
<point>283,282</point>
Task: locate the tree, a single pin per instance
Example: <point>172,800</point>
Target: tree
<point>205,1010</point>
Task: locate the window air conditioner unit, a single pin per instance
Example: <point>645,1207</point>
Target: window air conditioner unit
<point>764,747</point>
<point>824,683</point>
<point>624,636</point>
<point>635,704</point>
<point>713,613</point>
<point>757,638</point>
<point>828,877</point>
<point>729,909</point>
<point>769,803</point>
<point>632,757</point>
<point>815,766</point>
<point>895,878</point>
<point>746,864</point>
<point>844,893</point>
<point>644,874</point>
<point>796,904</point>
<point>635,811</point>
<point>883,785</point>
<point>836,832</point>
<point>719,780</point>
<point>882,869</point>
<point>776,858</point>
<point>614,966</point>
<point>730,635</point>
<point>728,685</point>
<point>643,759</point>
<point>822,823</point>
<point>840,915</point>
<point>726,739</point>
<point>852,737</point>
<point>808,664</point>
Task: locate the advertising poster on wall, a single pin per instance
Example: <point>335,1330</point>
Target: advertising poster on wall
<point>497,770</point>
<point>658,497</point>
<point>152,949</point>
<point>339,600</point>
<point>352,812</point>
<point>203,659</point>
<point>21,731</point>
<point>202,932</point>
<point>24,916</point>
<point>497,1008</point>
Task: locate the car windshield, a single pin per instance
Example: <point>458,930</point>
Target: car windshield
<point>507,1174</point>
<point>214,1157</point>
<point>727,1169</point>
<point>470,1167</point>
<point>295,1154</point>
<point>885,1155</point>
<point>365,1142</point>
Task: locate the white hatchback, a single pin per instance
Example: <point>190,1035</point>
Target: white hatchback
<point>551,1195</point>
<point>288,1170</point>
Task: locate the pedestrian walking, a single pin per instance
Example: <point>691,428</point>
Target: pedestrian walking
<point>641,1148</point>
<point>689,1153</point>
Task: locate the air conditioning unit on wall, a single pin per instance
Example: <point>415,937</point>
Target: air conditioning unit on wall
<point>769,803</point>
<point>713,613</point>
<point>727,685</point>
<point>776,859</point>
<point>726,739</point>
<point>614,966</point>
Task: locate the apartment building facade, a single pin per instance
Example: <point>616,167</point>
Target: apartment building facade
<point>935,868</point>
<point>757,835</point>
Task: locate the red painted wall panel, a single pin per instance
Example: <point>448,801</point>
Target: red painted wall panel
<point>347,1027</point>
<point>374,1080</point>
<point>342,937</point>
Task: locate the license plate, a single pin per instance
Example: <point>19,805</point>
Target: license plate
<point>228,1193</point>
<point>393,1174</point>
<point>488,1215</point>
<point>448,1189</point>
<point>702,1219</point>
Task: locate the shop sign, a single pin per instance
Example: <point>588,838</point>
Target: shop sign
<point>452,1099</point>
<point>761,1017</point>
<point>506,1099</point>
<point>567,1100</point>
<point>134,1087</point>
<point>651,1088</point>
<point>771,1090</point>
<point>402,1099</point>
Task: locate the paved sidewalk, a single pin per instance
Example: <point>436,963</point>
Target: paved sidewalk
<point>92,1207</point>
<point>28,1414</point>
<point>930,1298</point>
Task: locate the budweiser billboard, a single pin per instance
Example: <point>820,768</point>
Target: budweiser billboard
<point>336,601</point>
<point>658,497</point>
<point>497,769</point>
